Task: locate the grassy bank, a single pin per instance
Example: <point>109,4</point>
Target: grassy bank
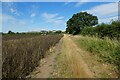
<point>108,50</point>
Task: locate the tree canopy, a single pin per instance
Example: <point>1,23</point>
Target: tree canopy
<point>10,32</point>
<point>79,21</point>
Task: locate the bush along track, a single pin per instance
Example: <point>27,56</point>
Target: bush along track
<point>104,30</point>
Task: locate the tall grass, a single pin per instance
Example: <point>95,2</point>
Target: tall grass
<point>20,56</point>
<point>108,50</point>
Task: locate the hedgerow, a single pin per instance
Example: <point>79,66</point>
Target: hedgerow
<point>104,30</point>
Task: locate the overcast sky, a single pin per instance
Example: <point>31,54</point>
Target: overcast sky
<point>36,16</point>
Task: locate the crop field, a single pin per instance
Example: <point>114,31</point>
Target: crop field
<point>20,55</point>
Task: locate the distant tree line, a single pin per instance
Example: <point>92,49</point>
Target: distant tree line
<point>43,32</point>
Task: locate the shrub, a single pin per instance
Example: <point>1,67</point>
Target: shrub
<point>104,30</point>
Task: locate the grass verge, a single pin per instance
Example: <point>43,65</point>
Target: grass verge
<point>108,50</point>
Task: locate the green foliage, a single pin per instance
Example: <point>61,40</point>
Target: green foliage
<point>104,30</point>
<point>108,50</point>
<point>58,32</point>
<point>10,32</point>
<point>79,21</point>
<point>42,32</point>
<point>20,55</point>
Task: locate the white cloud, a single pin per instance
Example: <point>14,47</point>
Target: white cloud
<point>69,1</point>
<point>11,23</point>
<point>33,10</point>
<point>108,20</point>
<point>110,9</point>
<point>12,20</point>
<point>81,2</point>
<point>59,18</point>
<point>12,10</point>
<point>49,16</point>
<point>33,15</point>
<point>11,7</point>
<point>53,18</point>
<point>104,11</point>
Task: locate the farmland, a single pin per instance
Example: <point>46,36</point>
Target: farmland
<point>59,40</point>
<point>29,56</point>
<point>60,55</point>
<point>20,55</point>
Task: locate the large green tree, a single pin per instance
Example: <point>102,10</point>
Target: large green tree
<point>79,21</point>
